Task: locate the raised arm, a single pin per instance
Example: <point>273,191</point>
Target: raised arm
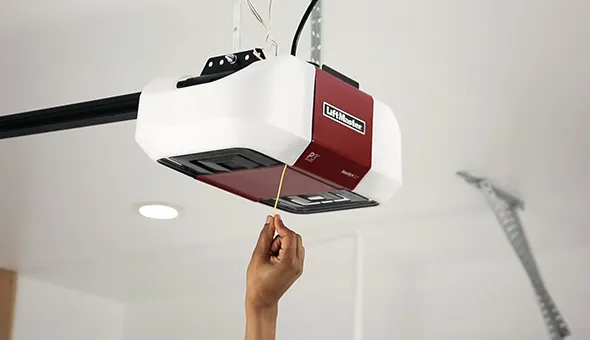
<point>277,262</point>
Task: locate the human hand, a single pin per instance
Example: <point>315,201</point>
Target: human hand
<point>276,263</point>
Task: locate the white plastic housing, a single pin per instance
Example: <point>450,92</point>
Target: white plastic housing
<point>385,176</point>
<point>267,107</point>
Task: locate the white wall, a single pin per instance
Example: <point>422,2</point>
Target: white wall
<point>44,311</point>
<point>406,294</point>
<point>433,287</point>
<point>484,298</point>
<point>319,306</point>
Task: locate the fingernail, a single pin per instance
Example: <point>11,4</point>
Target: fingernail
<point>268,219</point>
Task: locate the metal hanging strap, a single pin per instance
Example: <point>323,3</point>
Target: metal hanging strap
<point>317,33</point>
<point>505,207</point>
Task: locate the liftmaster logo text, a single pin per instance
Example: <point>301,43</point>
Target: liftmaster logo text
<point>344,118</point>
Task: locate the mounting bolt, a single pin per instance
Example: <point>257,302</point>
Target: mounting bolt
<point>231,58</point>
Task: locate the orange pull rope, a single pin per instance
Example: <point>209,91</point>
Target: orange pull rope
<point>280,188</point>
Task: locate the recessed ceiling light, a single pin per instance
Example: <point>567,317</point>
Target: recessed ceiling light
<point>158,211</point>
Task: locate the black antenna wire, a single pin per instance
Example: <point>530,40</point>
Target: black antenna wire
<point>301,26</point>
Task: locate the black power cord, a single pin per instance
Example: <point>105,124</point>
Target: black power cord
<point>301,26</point>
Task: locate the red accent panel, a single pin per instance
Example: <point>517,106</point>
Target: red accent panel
<point>263,183</point>
<point>339,154</point>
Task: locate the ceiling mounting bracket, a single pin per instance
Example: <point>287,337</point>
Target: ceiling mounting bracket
<point>317,34</point>
<point>505,207</point>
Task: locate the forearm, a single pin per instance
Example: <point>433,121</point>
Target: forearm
<point>261,323</point>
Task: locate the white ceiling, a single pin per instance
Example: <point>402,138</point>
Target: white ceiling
<point>496,87</point>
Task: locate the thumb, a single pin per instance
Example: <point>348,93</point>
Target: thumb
<point>265,239</point>
<point>288,237</point>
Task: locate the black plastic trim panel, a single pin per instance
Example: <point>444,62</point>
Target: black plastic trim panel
<point>323,202</point>
<point>341,76</point>
<point>219,161</point>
